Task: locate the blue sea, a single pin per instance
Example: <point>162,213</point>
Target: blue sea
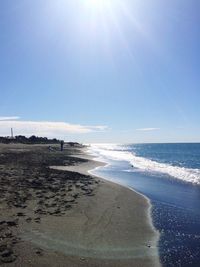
<point>169,175</point>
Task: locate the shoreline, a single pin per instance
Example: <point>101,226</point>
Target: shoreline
<point>94,223</point>
<point>175,203</point>
<point>150,220</point>
<point>94,164</point>
<point>105,164</point>
<point>149,209</point>
<point>86,168</point>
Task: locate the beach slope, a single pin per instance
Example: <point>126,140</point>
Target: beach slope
<point>105,224</point>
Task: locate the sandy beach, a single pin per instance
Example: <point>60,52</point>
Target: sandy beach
<point>65,217</point>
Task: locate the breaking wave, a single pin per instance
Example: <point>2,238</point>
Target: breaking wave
<point>116,152</point>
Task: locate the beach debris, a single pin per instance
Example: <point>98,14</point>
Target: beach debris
<point>29,219</point>
<point>39,252</point>
<point>12,222</point>
<point>20,214</point>
<point>26,181</point>
<point>37,220</point>
<point>6,254</point>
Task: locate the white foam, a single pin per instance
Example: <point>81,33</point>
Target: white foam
<point>115,152</point>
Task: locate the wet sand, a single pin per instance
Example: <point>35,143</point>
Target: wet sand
<point>67,218</point>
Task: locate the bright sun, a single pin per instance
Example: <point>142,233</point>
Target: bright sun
<point>97,4</point>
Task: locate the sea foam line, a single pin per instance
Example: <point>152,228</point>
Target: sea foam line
<point>114,152</point>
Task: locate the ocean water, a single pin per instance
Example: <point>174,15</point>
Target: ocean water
<point>169,175</point>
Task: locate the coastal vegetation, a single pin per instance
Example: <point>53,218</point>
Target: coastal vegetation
<point>28,140</point>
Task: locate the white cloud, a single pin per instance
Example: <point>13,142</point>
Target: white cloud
<point>46,128</point>
<point>147,129</point>
<point>9,118</point>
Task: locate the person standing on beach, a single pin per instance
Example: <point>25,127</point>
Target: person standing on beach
<point>61,145</point>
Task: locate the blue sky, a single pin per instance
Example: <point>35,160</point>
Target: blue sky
<point>101,70</point>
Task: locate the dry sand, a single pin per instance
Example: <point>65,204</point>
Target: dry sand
<point>106,226</point>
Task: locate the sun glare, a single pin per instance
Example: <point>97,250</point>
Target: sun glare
<point>97,4</point>
<point>110,21</point>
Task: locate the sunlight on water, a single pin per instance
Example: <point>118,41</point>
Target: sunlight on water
<point>160,172</point>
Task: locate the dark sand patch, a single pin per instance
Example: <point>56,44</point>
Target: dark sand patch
<point>64,218</point>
